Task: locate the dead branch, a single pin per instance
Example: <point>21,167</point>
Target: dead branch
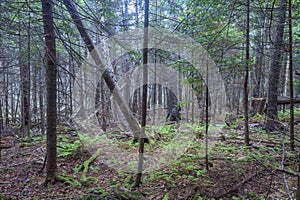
<point>238,185</point>
<point>282,167</point>
<point>14,165</point>
<point>296,174</point>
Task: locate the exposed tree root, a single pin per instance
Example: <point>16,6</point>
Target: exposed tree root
<point>85,167</point>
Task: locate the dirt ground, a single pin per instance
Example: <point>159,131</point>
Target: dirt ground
<point>228,177</point>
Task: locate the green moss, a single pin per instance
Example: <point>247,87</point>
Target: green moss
<point>68,179</point>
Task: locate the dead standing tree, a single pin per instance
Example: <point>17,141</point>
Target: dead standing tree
<point>144,96</point>
<point>107,76</point>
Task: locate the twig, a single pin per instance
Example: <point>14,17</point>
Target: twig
<point>297,174</point>
<point>282,167</point>
<point>235,187</point>
<point>14,165</point>
<point>270,187</point>
<point>292,173</point>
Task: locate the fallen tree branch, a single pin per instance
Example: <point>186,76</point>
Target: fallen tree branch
<point>297,174</point>
<point>14,165</point>
<point>236,186</point>
<point>286,185</point>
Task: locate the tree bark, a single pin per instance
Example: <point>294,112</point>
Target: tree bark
<point>298,181</point>
<point>257,73</point>
<point>144,97</point>
<point>292,136</point>
<point>27,109</point>
<point>5,90</point>
<point>51,73</point>
<point>41,99</point>
<point>105,73</point>
<point>1,126</point>
<point>274,76</point>
<point>246,104</point>
<point>34,95</point>
<point>23,86</point>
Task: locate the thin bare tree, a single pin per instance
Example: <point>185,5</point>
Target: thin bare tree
<point>246,104</point>
<point>292,137</point>
<point>106,74</point>
<point>144,96</point>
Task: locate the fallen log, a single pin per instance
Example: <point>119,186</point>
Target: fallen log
<point>280,99</point>
<point>287,100</point>
<point>259,105</point>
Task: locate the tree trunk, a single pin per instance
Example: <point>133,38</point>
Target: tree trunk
<point>144,96</point>
<point>292,136</point>
<point>12,102</point>
<point>274,77</point>
<point>23,87</point>
<point>1,126</point>
<point>5,90</point>
<point>159,99</point>
<point>136,13</point>
<point>71,83</point>
<point>257,73</point>
<point>106,74</point>
<point>51,71</point>
<point>264,50</point>
<point>41,99</point>
<point>126,23</point>
<point>298,181</point>
<point>246,116</point>
<point>27,73</point>
<point>34,91</point>
<point>104,106</point>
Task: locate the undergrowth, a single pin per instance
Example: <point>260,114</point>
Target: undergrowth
<point>188,169</point>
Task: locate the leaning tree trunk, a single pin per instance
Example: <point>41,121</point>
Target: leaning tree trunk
<point>107,76</point>
<point>50,61</point>
<point>274,76</point>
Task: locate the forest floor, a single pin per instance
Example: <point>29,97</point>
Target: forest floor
<point>235,170</point>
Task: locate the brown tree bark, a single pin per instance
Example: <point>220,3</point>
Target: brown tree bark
<point>41,99</point>
<point>292,136</point>
<point>274,76</point>
<point>24,87</point>
<point>246,104</point>
<point>51,71</point>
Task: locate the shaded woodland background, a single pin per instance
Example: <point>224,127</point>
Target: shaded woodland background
<point>255,46</point>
